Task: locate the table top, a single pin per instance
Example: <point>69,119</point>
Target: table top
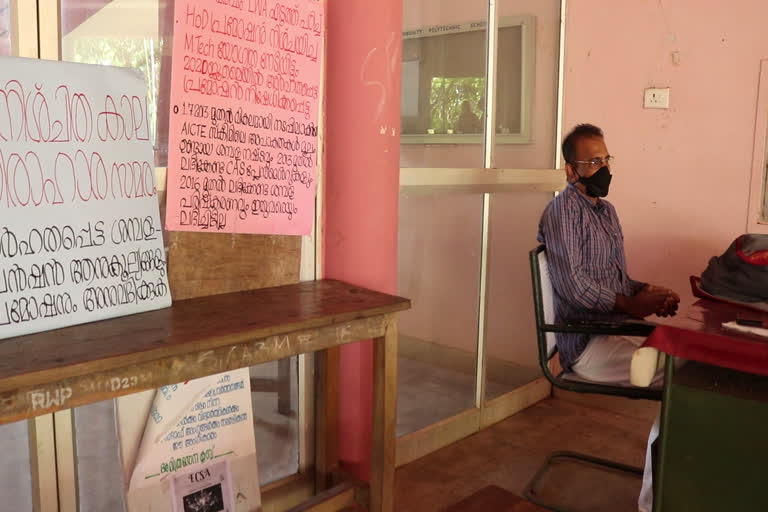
<point>188,326</point>
<point>696,333</point>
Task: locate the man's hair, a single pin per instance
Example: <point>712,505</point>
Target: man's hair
<point>581,131</point>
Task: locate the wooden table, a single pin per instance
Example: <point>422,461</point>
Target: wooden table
<point>712,443</point>
<point>54,370</point>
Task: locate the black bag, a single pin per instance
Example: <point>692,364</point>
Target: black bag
<point>741,273</point>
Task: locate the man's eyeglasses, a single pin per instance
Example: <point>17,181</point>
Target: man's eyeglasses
<point>597,161</point>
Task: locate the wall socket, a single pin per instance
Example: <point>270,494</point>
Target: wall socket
<point>656,98</point>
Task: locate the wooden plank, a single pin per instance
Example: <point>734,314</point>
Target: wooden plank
<point>187,327</point>
<point>24,29</point>
<point>66,460</point>
<point>515,401</point>
<point>327,418</point>
<point>263,385</point>
<point>49,22</point>
<point>438,435</point>
<point>201,264</point>
<point>306,409</point>
<point>287,492</point>
<point>42,464</point>
<point>61,393</point>
<point>340,497</point>
<point>384,420</point>
<point>284,386</point>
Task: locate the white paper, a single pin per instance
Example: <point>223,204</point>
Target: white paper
<point>195,422</point>
<point>746,328</point>
<point>188,427</point>
<point>80,232</point>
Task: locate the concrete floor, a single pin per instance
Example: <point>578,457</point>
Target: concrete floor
<point>509,453</point>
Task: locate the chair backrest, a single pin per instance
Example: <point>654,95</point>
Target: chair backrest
<point>543,299</point>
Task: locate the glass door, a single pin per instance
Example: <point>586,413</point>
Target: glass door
<point>478,150</point>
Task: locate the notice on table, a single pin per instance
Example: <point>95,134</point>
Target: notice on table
<point>80,232</point>
<point>172,441</point>
<point>245,94</point>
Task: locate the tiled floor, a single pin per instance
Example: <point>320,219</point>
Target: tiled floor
<point>509,453</point>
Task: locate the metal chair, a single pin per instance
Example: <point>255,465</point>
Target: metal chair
<point>543,301</point>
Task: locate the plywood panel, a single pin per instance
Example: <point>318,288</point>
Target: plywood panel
<point>201,264</point>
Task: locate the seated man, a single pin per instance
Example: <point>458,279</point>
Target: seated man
<point>585,252</point>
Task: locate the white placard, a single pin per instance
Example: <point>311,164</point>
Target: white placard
<point>80,232</point>
<point>188,427</point>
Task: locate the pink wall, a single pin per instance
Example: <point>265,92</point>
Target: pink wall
<point>362,181</point>
<point>681,182</point>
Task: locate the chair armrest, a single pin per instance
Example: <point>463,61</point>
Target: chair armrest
<point>634,328</point>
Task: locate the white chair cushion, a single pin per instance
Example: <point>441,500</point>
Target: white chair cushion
<point>548,300</point>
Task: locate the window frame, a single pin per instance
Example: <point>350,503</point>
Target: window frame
<point>757,218</point>
<point>527,24</point>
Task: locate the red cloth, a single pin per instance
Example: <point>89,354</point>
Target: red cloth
<point>697,334</point>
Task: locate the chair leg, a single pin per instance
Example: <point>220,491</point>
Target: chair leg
<point>530,495</point>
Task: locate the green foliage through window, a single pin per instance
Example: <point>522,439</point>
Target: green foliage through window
<point>456,104</point>
<point>141,54</point>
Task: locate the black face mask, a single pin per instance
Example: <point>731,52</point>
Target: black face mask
<point>599,183</point>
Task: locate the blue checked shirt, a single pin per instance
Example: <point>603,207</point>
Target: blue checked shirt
<point>585,252</point>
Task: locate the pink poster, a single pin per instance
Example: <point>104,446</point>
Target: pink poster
<point>242,150</point>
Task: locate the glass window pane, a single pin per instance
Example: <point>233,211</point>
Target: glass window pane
<point>275,394</point>
<point>99,471</point>
<point>526,89</point>
<point>510,343</point>
<point>439,270</point>
<point>126,33</point>
<point>5,28</point>
<point>16,484</point>
<point>443,83</point>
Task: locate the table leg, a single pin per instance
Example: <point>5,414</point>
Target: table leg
<point>284,386</point>
<point>326,417</point>
<point>666,407</point>
<point>384,420</point>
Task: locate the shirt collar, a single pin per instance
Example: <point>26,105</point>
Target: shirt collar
<point>575,191</point>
